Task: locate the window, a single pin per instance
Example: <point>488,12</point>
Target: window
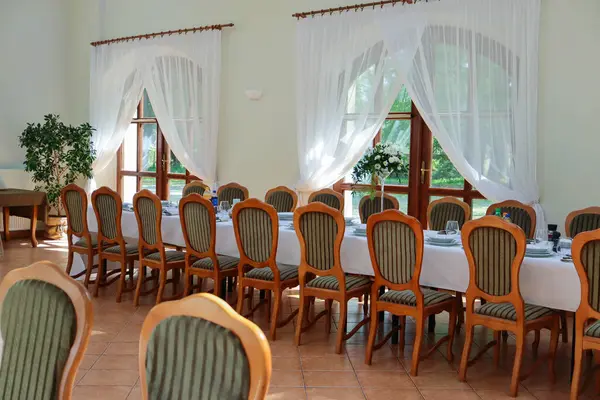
<point>144,160</point>
<point>430,175</point>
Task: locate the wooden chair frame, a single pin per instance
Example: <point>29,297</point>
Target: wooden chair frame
<point>328,191</point>
<point>449,199</point>
<point>89,251</point>
<point>520,327</point>
<point>196,183</point>
<point>283,189</point>
<point>378,197</point>
<point>585,313</point>
<point>277,286</point>
<point>217,311</point>
<point>571,216</point>
<point>237,186</point>
<point>192,255</point>
<point>126,261</point>
<point>145,248</point>
<point>49,272</point>
<point>420,312</point>
<point>516,204</point>
<point>306,271</point>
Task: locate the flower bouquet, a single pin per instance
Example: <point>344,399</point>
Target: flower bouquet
<point>381,161</point>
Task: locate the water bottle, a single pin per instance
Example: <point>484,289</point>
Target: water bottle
<point>215,200</point>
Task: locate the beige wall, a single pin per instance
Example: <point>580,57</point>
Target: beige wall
<point>257,143</point>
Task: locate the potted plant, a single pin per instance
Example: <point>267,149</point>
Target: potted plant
<point>57,155</point>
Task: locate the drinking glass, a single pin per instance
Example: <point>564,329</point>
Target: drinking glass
<point>452,227</point>
<point>541,235</point>
<point>225,206</point>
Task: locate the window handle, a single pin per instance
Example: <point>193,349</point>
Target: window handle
<point>423,171</point>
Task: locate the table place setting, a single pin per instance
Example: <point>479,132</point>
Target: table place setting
<point>360,230</point>
<point>448,237</point>
<point>351,221</point>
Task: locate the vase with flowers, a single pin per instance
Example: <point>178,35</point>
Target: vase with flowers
<point>380,162</point>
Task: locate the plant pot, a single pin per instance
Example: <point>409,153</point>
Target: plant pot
<point>56,226</point>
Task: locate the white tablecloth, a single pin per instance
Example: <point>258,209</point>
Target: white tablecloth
<point>544,281</point>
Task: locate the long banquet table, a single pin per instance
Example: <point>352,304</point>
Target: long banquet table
<point>544,281</point>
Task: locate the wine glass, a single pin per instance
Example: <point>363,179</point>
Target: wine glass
<point>541,235</point>
<point>225,206</point>
<point>452,227</point>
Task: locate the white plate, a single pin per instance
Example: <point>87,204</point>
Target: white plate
<point>439,240</point>
<point>540,255</point>
<point>359,233</point>
<point>286,215</point>
<point>443,244</point>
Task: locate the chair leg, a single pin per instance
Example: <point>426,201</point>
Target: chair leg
<point>420,322</point>
<point>275,316</point>
<point>451,332</point>
<point>577,366</point>
<point>138,289</point>
<point>122,277</point>
<point>217,286</point>
<point>300,319</point>
<point>69,262</point>
<point>131,269</point>
<point>365,304</point>
<point>250,299</point>
<point>597,361</point>
<point>466,352</point>
<point>89,267</point>
<point>269,296</point>
<point>176,277</point>
<point>553,346</point>
<point>99,275</point>
<point>402,333</point>
<point>162,278</point>
<point>240,299</point>
<point>341,326</point>
<point>536,343</point>
<point>564,327</point>
<point>328,304</point>
<point>497,338</point>
<point>514,383</point>
<point>187,287</point>
<point>373,320</point>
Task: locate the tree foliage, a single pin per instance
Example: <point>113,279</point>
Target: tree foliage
<point>57,155</point>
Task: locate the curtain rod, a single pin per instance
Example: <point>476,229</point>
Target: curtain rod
<point>151,35</point>
<point>355,7</point>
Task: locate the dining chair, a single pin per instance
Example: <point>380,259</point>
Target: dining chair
<point>521,215</point>
<point>198,187</point>
<point>440,211</point>
<point>256,228</point>
<point>74,202</point>
<point>112,246</point>
<point>328,197</point>
<point>586,257</point>
<point>320,230</point>
<point>198,223</point>
<point>46,323</point>
<point>232,191</point>
<point>370,205</point>
<point>578,221</point>
<point>282,198</point>
<point>151,248</point>
<point>200,348</point>
<point>495,250</point>
<point>396,249</point>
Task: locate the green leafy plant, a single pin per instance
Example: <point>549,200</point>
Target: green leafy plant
<point>57,155</point>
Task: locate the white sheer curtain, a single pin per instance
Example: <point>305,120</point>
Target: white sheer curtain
<point>474,80</point>
<point>182,77</point>
<point>345,87</point>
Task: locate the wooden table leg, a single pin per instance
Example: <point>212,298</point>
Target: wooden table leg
<point>33,228</point>
<point>6,223</point>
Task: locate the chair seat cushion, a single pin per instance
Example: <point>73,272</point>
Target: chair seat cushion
<point>171,256</point>
<point>331,282</point>
<point>225,263</point>
<point>83,243</point>
<point>286,272</point>
<point>130,249</point>
<point>408,298</point>
<point>507,311</point>
<point>593,330</point>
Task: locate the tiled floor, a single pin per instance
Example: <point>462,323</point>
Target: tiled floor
<point>313,370</point>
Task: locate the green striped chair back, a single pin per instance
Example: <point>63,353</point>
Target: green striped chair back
<point>369,206</point>
<point>38,325</point>
<point>230,193</point>
<point>74,206</point>
<point>189,189</point>
<point>494,251</point>
<point>395,248</point>
<point>109,208</point>
<point>198,227</point>
<point>192,358</point>
<point>256,233</point>
<point>590,259</point>
<point>519,217</point>
<point>441,213</point>
<point>146,210</point>
<point>583,223</point>
<point>281,200</point>
<point>319,231</point>
<point>327,199</point>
